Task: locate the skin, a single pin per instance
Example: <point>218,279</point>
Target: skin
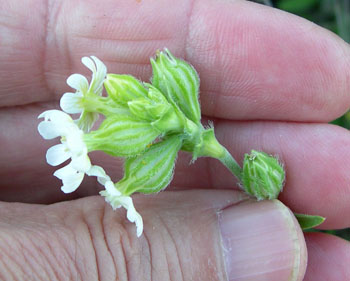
<point>269,80</point>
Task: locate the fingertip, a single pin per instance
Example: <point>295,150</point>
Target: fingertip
<point>262,241</point>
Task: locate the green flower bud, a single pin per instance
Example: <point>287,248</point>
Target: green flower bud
<point>263,176</point>
<point>156,109</point>
<point>124,88</point>
<point>179,82</point>
<point>151,108</point>
<point>151,171</point>
<point>122,135</point>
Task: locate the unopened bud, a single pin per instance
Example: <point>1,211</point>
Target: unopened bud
<point>124,88</point>
<point>179,82</point>
<point>263,176</point>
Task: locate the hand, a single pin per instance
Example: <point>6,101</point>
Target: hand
<point>269,80</point>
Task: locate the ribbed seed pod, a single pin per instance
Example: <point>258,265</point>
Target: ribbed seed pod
<point>153,170</point>
<point>263,176</point>
<point>179,82</point>
<point>122,135</point>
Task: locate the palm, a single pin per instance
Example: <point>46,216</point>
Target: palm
<point>269,80</point>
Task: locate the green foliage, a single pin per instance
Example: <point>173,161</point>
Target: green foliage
<point>297,6</point>
<point>309,221</point>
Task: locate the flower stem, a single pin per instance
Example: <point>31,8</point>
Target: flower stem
<point>212,148</point>
<point>231,164</point>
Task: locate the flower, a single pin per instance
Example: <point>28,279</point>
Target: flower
<point>72,102</point>
<point>116,199</point>
<point>57,123</point>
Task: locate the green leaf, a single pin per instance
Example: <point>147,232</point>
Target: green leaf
<point>124,88</point>
<point>122,135</point>
<point>297,6</point>
<point>309,221</point>
<point>151,171</point>
<point>179,82</point>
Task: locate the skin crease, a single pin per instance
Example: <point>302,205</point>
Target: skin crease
<point>269,80</point>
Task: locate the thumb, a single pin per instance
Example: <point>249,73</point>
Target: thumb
<point>189,235</point>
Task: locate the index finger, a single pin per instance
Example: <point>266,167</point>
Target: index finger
<point>255,62</point>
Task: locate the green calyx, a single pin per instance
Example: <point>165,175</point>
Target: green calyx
<point>122,135</point>
<point>179,82</point>
<point>149,123</point>
<point>262,176</point>
<point>153,170</point>
<point>124,88</point>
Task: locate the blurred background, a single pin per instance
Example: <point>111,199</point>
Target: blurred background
<point>335,16</point>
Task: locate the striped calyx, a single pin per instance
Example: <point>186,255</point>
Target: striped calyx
<point>151,171</point>
<point>156,109</point>
<point>179,82</point>
<point>124,88</point>
<point>122,136</point>
<point>263,176</point>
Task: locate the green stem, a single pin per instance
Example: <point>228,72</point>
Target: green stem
<point>212,148</point>
<point>231,164</point>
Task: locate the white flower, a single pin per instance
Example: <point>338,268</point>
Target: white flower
<point>59,124</point>
<point>116,199</point>
<point>72,102</point>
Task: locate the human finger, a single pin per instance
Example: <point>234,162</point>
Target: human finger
<point>328,258</point>
<point>315,156</point>
<point>255,62</point>
<point>192,235</point>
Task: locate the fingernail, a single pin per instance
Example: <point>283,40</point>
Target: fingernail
<point>262,241</point>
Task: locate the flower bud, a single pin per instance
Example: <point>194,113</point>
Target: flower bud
<point>151,171</point>
<point>124,88</point>
<point>151,108</point>
<point>122,136</point>
<point>263,176</point>
<point>179,82</point>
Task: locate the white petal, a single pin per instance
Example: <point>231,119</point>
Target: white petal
<point>99,77</point>
<point>100,66</point>
<point>87,120</point>
<point>81,163</point>
<point>70,177</point>
<point>70,102</point>
<point>65,172</point>
<point>117,201</point>
<point>75,141</point>
<point>78,82</point>
<point>139,225</point>
<point>73,183</point>
<point>111,189</point>
<point>132,214</point>
<point>98,172</point>
<point>57,154</point>
<point>99,72</point>
<point>55,116</point>
<point>48,130</point>
<point>89,64</point>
